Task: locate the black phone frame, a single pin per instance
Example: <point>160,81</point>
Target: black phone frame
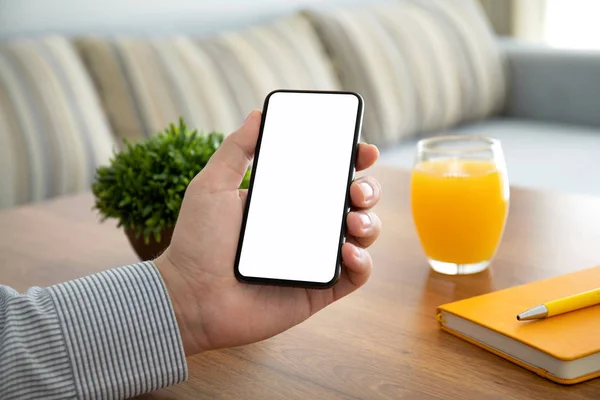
<point>347,202</point>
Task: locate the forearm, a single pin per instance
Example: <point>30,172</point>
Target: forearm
<point>111,335</point>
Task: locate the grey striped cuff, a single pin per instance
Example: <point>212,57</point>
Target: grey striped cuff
<point>33,361</point>
<point>120,332</point>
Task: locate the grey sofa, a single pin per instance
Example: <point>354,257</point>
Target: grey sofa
<point>80,94</point>
<point>550,124</point>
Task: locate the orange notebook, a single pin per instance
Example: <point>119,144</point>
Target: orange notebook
<point>564,348</point>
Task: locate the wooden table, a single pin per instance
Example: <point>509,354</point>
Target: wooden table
<point>381,342</point>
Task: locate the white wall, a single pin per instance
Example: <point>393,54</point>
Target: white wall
<point>72,17</point>
<point>573,24</point>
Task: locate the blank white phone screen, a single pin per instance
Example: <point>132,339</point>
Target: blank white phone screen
<point>296,211</point>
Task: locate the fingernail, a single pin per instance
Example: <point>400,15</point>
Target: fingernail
<point>367,190</point>
<point>358,252</point>
<point>365,221</point>
<point>248,116</point>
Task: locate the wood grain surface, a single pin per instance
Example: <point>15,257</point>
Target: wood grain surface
<point>380,342</point>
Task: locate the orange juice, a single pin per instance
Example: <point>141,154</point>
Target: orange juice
<point>459,208</point>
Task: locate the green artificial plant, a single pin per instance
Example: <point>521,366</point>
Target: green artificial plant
<point>143,185</point>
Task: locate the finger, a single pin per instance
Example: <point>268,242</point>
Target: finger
<point>365,192</point>
<point>356,272</point>
<point>367,156</point>
<point>363,226</point>
<point>227,166</point>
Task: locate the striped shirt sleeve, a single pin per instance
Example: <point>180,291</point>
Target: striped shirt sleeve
<point>111,335</point>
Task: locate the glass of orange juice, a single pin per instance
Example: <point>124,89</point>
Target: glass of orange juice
<point>460,200</point>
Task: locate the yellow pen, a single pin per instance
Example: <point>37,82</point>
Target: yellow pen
<point>561,306</point>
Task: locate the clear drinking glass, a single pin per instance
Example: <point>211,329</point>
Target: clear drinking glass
<point>460,201</point>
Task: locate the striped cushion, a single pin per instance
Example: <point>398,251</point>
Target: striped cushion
<point>421,65</point>
<point>52,130</point>
<point>147,83</point>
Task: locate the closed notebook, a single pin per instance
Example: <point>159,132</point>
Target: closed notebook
<point>563,348</point>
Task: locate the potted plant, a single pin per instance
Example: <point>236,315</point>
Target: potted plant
<point>143,185</point>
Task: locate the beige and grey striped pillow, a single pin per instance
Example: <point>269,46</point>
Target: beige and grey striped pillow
<point>421,65</point>
<point>53,133</point>
<point>147,83</point>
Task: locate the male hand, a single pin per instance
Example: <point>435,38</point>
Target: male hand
<point>215,310</point>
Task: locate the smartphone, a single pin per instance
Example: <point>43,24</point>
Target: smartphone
<point>294,222</point>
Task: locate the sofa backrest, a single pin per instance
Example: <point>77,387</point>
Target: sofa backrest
<point>53,132</point>
<point>420,65</point>
<point>146,83</point>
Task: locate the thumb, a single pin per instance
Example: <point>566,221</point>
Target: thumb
<point>228,165</point>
